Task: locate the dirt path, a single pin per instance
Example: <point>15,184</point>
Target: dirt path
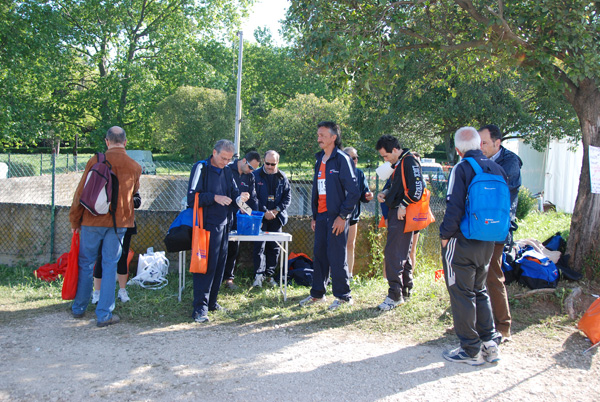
<point>57,358</point>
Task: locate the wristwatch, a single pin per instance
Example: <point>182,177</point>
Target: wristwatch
<point>343,217</point>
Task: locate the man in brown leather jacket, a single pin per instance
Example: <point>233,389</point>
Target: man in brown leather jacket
<point>99,229</point>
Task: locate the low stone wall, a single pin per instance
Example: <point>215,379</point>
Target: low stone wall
<point>25,233</point>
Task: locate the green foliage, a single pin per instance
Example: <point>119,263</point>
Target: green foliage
<point>76,68</point>
<point>292,129</point>
<point>526,203</point>
<point>377,238</point>
<point>452,63</point>
<point>192,120</point>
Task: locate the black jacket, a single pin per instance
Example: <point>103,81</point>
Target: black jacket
<point>340,184</point>
<point>199,183</point>
<point>511,163</point>
<point>281,195</point>
<point>458,185</point>
<point>414,182</point>
<point>363,187</point>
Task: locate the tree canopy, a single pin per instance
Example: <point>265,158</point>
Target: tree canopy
<point>555,44</point>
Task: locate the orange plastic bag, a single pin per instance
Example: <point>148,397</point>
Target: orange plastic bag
<point>130,256</point>
<point>69,289</point>
<point>200,242</point>
<point>590,322</point>
<point>418,214</point>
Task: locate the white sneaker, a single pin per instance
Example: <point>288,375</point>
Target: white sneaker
<point>312,300</point>
<point>390,303</point>
<point>258,280</point>
<point>490,352</point>
<point>123,295</point>
<point>95,296</point>
<point>339,302</point>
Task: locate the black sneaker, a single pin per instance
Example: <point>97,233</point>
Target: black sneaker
<point>458,355</point>
<point>113,320</point>
<point>78,315</point>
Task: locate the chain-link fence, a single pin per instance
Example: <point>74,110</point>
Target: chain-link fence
<point>38,191</point>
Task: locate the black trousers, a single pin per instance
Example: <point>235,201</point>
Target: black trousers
<point>466,264</point>
<point>398,267</point>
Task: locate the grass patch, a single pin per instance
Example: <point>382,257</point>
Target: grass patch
<point>424,318</point>
<point>541,226</point>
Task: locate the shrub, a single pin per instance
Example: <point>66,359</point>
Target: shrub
<point>526,203</point>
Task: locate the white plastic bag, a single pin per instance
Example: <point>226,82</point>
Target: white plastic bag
<point>152,270</point>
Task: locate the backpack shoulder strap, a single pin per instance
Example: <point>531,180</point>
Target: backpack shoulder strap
<point>404,178</point>
<point>474,165</point>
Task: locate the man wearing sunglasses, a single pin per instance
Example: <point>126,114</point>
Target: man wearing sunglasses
<point>274,197</point>
<point>243,177</point>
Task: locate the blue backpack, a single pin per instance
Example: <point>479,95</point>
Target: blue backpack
<point>487,210</point>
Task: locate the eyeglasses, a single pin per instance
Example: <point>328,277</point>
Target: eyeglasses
<point>355,158</point>
<point>249,166</point>
<point>270,164</point>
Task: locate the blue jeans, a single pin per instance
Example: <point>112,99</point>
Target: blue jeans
<point>89,247</point>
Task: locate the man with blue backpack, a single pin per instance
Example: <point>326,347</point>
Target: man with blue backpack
<point>477,214</point>
<point>491,140</point>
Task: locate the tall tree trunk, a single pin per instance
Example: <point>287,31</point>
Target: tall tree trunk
<point>584,243</point>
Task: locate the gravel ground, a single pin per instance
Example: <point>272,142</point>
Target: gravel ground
<point>57,358</point>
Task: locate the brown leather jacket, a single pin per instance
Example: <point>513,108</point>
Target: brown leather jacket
<point>128,172</point>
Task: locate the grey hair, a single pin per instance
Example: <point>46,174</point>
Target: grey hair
<point>116,135</point>
<point>467,139</point>
<point>274,153</point>
<point>224,145</point>
<point>350,149</point>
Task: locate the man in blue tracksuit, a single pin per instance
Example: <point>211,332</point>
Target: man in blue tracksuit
<point>274,196</point>
<point>334,195</point>
<point>491,140</point>
<point>213,181</point>
<point>241,170</point>
<point>466,261</point>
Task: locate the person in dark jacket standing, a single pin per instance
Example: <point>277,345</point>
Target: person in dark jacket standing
<point>365,196</point>
<point>398,267</point>
<point>274,197</point>
<point>466,261</point>
<point>242,174</point>
<point>213,180</point>
<point>334,195</point>
<point>491,140</point>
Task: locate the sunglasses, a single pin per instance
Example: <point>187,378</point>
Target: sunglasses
<point>355,158</point>
<point>270,164</point>
<point>249,166</point>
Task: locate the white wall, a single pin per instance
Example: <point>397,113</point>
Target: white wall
<point>555,171</point>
